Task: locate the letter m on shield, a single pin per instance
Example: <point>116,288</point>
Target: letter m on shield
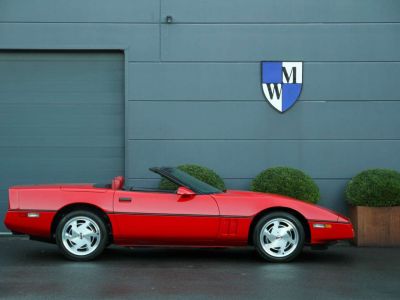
<point>281,83</point>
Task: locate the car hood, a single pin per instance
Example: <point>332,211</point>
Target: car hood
<point>251,203</point>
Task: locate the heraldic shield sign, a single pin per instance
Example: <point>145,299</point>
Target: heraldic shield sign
<point>281,83</point>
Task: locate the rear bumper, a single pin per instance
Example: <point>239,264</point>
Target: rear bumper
<point>325,232</point>
<point>39,226</point>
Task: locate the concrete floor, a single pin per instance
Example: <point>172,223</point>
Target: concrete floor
<point>31,269</point>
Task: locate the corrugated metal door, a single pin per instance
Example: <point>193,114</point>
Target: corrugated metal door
<point>61,118</point>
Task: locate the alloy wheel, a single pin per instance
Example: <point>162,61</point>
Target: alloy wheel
<point>279,237</point>
<point>81,235</point>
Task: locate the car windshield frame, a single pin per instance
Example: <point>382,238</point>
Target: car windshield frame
<point>182,178</point>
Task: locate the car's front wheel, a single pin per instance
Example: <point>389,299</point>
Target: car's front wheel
<point>279,237</point>
<point>81,235</point>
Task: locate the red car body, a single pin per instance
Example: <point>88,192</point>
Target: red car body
<point>154,218</point>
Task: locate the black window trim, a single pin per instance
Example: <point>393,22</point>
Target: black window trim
<point>164,172</point>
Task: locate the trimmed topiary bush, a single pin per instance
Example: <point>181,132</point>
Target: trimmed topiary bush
<point>375,187</point>
<point>202,173</point>
<point>286,181</point>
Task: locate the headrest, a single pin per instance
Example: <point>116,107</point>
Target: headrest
<point>117,183</point>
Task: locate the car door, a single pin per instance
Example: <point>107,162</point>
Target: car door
<point>154,218</point>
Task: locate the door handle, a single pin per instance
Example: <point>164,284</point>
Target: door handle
<point>125,199</point>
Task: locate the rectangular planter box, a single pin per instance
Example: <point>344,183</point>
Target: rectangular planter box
<point>376,226</point>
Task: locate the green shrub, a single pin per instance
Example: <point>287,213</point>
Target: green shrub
<point>375,187</point>
<point>286,181</point>
<point>202,173</point>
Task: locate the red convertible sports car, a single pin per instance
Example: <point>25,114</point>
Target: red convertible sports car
<point>83,219</point>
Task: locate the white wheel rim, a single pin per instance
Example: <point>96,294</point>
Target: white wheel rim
<point>279,237</point>
<point>81,236</point>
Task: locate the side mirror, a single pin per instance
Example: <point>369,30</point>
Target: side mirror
<point>184,191</point>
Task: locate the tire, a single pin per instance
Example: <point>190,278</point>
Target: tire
<point>279,237</point>
<point>81,235</point>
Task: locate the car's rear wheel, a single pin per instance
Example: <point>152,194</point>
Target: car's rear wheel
<point>279,237</point>
<point>81,235</point>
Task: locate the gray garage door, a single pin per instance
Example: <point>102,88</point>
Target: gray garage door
<point>61,118</point>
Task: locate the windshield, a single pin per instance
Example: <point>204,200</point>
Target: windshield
<point>184,179</point>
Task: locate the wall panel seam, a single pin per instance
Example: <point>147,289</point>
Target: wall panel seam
<point>77,22</point>
<point>248,100</point>
<point>198,23</point>
<point>239,178</point>
<point>287,23</point>
<point>256,61</point>
<point>188,140</point>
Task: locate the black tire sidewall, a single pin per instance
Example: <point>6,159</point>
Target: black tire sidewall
<point>263,221</point>
<point>103,233</point>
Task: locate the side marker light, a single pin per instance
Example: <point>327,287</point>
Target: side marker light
<point>321,225</point>
<point>33,215</point>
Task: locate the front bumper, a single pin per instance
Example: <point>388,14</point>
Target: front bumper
<point>323,232</point>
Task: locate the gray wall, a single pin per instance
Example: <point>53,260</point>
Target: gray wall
<point>61,118</point>
<point>193,87</point>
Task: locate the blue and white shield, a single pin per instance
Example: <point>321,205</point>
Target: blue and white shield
<point>281,83</point>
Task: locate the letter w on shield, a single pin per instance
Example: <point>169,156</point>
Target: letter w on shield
<point>281,83</point>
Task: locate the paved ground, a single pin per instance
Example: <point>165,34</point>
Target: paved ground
<point>31,269</point>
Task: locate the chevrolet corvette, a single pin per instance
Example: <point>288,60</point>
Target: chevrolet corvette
<point>83,219</point>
